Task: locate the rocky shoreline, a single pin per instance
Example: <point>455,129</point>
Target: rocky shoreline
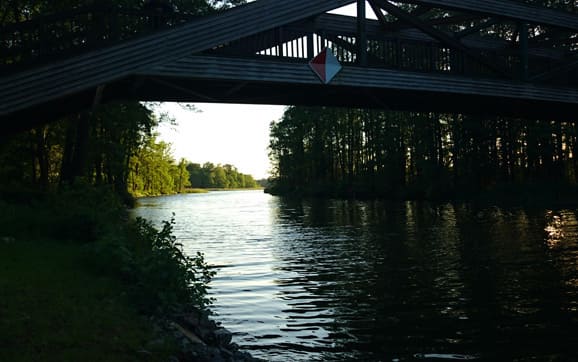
<point>201,339</point>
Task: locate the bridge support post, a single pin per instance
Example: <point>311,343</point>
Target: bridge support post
<point>310,46</point>
<point>279,40</point>
<point>523,34</point>
<point>361,33</point>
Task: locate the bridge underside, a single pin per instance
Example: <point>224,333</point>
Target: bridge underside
<point>225,80</point>
<point>259,53</point>
<point>355,87</point>
<point>179,89</point>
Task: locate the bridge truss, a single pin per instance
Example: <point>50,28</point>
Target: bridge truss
<point>473,56</point>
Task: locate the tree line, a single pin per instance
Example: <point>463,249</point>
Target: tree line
<point>328,151</point>
<point>22,10</point>
<point>93,147</point>
<point>226,176</point>
<point>119,148</point>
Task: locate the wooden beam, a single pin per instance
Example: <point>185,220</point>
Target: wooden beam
<point>209,69</point>
<point>382,19</point>
<point>551,73</point>
<point>361,33</point>
<point>420,10</point>
<point>552,37</point>
<point>398,24</point>
<point>451,19</point>
<point>351,48</point>
<point>82,73</point>
<point>524,59</point>
<point>183,90</point>
<point>508,9</point>
<point>310,46</point>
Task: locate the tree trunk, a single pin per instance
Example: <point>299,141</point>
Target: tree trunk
<point>42,156</point>
<point>75,159</point>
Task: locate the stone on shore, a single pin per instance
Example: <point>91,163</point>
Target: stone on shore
<point>203,340</point>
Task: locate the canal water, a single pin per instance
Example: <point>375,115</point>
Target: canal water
<point>379,281</point>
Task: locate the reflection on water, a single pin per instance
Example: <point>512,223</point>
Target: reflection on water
<point>375,281</point>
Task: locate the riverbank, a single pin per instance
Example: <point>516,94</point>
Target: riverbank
<point>536,194</point>
<point>55,308</point>
<point>199,191</point>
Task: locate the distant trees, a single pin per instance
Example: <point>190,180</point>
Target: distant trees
<point>227,176</point>
<point>396,154</point>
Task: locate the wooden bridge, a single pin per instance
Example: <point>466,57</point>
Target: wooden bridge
<point>475,56</point>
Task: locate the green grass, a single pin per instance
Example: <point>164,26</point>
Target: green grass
<point>54,308</point>
<point>195,191</point>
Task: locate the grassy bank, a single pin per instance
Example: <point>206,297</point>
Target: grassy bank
<point>54,308</point>
<point>79,281</point>
<point>236,189</point>
<point>195,191</point>
<point>198,191</point>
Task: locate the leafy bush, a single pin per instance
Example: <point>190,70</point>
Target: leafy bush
<point>161,278</point>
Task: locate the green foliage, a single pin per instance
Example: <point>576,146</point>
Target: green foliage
<point>153,171</point>
<point>220,176</point>
<point>161,277</point>
<point>150,168</point>
<point>54,155</point>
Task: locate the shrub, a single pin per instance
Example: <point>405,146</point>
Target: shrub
<point>161,278</point>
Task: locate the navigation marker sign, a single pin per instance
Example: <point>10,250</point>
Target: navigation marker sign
<point>325,65</point>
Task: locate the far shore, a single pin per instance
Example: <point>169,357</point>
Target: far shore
<point>201,191</point>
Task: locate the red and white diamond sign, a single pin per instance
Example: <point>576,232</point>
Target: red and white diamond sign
<point>325,65</point>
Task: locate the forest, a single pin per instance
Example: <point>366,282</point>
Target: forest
<point>122,151</point>
<point>330,151</point>
<point>210,176</point>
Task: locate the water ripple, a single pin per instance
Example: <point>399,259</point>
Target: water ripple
<point>373,281</point>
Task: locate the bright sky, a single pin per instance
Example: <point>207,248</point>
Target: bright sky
<point>227,133</point>
<point>223,133</point>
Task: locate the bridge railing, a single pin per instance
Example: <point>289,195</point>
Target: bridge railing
<point>58,36</point>
<point>386,51</point>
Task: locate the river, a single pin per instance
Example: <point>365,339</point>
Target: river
<point>379,281</point>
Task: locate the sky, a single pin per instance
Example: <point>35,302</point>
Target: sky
<point>223,133</point>
<point>226,133</point>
